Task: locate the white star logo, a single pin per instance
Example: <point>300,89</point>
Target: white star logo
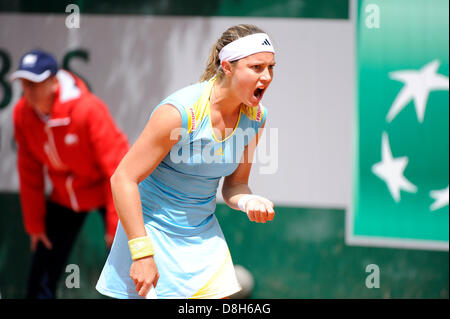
<point>418,85</point>
<point>440,198</point>
<point>391,171</point>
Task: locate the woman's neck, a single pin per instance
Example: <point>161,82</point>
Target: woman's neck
<point>223,100</point>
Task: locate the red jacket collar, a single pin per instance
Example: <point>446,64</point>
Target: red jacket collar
<point>70,89</point>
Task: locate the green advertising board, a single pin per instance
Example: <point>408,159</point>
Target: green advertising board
<point>401,147</point>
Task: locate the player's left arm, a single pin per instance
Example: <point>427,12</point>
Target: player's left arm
<point>235,187</point>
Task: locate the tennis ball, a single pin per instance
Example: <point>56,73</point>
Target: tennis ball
<point>246,280</point>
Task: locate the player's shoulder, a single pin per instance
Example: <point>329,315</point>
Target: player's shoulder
<point>182,100</point>
<point>185,96</point>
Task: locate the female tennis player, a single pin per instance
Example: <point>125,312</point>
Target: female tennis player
<point>168,239</point>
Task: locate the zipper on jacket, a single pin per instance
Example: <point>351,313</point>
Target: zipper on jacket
<point>71,192</point>
<point>50,146</point>
<point>52,152</point>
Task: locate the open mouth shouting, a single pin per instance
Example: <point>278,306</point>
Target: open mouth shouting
<point>258,93</point>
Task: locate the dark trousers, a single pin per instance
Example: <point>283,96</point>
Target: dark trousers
<point>62,227</point>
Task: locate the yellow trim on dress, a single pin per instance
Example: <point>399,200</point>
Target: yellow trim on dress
<point>254,113</point>
<point>212,129</point>
<point>208,106</point>
<point>197,112</point>
<point>220,285</point>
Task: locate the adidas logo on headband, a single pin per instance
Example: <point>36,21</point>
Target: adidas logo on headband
<point>245,46</point>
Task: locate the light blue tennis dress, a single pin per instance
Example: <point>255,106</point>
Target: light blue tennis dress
<point>178,201</point>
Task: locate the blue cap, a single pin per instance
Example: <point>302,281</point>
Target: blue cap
<point>36,66</point>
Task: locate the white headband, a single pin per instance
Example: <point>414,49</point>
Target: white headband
<point>245,46</point>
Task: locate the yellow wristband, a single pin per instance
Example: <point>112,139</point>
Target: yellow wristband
<point>141,247</point>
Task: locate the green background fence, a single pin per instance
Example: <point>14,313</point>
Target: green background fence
<point>301,254</point>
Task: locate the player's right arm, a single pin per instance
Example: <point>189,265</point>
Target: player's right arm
<point>144,156</point>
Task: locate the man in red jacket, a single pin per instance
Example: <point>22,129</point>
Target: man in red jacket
<point>65,131</point>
